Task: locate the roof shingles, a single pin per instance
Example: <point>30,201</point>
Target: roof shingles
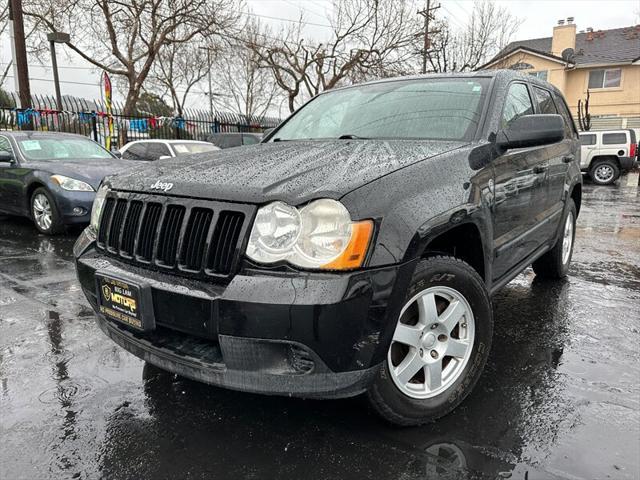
<point>618,45</point>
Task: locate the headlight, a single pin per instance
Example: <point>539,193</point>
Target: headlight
<point>68,183</point>
<point>321,236</point>
<point>98,203</point>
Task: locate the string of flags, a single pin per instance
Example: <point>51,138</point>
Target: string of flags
<point>36,115</point>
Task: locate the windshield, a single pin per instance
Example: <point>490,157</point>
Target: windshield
<point>61,148</point>
<point>186,148</point>
<point>437,109</point>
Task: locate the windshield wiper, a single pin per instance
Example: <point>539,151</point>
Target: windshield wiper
<point>351,136</point>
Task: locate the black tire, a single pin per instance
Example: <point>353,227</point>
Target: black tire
<point>607,165</point>
<point>56,226</point>
<point>551,265</point>
<point>399,408</point>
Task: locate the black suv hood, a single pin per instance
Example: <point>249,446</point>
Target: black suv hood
<point>294,172</point>
<point>91,170</point>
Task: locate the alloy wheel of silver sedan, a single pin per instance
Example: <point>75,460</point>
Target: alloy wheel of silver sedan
<point>604,173</point>
<point>42,213</point>
<point>432,342</point>
<point>567,239</point>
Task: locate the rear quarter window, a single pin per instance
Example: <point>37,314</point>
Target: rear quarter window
<point>614,138</point>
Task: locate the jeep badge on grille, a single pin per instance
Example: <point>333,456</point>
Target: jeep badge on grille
<point>165,187</point>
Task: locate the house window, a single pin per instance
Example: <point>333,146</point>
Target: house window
<point>541,75</point>
<point>605,78</point>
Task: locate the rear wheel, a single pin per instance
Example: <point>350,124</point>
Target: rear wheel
<point>440,344</point>
<point>44,212</point>
<point>604,172</point>
<point>555,263</point>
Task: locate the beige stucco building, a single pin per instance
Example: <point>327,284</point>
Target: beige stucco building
<point>604,62</point>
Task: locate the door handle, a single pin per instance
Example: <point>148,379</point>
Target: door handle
<point>568,158</point>
<point>540,169</point>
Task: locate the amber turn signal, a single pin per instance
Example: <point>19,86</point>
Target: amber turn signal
<point>356,251</point>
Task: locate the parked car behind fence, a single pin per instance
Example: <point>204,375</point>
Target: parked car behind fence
<point>150,150</point>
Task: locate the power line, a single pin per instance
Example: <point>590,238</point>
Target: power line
<point>61,81</point>
<point>39,65</point>
<point>288,20</point>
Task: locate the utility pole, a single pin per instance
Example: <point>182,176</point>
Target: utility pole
<point>428,16</point>
<point>209,77</point>
<point>20,56</point>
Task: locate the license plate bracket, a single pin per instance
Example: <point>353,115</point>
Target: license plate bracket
<point>126,302</point>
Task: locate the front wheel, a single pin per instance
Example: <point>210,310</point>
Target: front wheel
<point>44,212</point>
<point>440,344</point>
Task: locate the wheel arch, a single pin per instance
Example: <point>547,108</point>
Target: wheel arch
<point>463,241</point>
<point>576,195</point>
<point>599,158</point>
<point>32,187</point>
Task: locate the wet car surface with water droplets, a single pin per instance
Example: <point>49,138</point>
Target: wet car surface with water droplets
<point>559,398</point>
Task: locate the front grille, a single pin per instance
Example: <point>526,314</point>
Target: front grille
<point>191,237</point>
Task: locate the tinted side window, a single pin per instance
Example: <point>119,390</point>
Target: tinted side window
<point>614,138</point>
<point>588,139</point>
<point>249,140</point>
<point>135,152</point>
<point>155,150</point>
<point>544,101</point>
<point>517,104</point>
<point>569,127</point>
<point>5,146</point>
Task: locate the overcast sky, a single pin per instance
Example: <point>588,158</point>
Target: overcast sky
<point>538,17</point>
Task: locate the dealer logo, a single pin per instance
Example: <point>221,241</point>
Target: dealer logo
<point>106,292</point>
<point>165,187</point>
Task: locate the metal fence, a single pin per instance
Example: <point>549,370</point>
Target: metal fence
<point>89,118</point>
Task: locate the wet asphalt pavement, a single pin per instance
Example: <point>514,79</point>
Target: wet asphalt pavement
<point>560,397</point>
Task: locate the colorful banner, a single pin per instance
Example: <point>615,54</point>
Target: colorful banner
<point>107,101</point>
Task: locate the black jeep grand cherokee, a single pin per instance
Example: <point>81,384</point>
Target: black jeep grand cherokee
<point>353,251</point>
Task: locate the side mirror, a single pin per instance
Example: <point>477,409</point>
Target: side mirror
<point>6,157</point>
<point>531,131</point>
<point>117,153</point>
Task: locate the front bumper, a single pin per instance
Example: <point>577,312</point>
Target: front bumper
<point>75,207</point>
<point>319,335</point>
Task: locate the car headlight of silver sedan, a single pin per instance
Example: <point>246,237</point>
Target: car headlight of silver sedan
<point>98,203</point>
<point>71,184</point>
<point>321,235</point>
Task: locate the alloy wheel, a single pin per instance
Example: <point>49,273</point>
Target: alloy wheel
<point>567,239</point>
<point>42,214</point>
<point>432,342</point>
<point>604,173</point>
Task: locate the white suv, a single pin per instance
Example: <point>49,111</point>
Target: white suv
<point>606,154</point>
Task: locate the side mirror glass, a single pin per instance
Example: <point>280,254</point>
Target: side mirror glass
<point>6,157</point>
<point>531,131</point>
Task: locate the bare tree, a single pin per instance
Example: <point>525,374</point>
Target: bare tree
<point>246,87</point>
<point>178,69</point>
<point>370,38</point>
<point>489,30</point>
<point>125,37</point>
